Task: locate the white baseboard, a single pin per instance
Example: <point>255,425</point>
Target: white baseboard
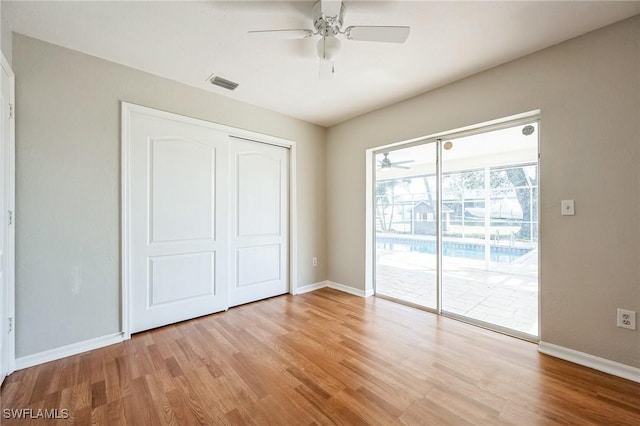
<point>68,350</point>
<point>349,289</point>
<point>591,361</point>
<point>335,286</point>
<point>311,287</point>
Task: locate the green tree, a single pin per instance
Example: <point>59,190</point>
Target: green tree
<point>427,189</point>
<point>521,180</point>
<point>385,198</point>
<point>523,185</point>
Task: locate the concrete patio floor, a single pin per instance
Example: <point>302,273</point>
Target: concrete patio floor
<point>504,294</point>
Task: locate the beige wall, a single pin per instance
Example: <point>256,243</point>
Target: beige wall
<point>5,34</point>
<point>588,90</point>
<point>68,185</point>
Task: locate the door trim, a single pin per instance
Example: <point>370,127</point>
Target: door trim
<point>8,284</point>
<point>125,169</point>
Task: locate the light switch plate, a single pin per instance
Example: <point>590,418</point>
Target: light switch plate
<point>568,208</point>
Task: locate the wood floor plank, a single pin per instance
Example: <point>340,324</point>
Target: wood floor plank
<point>369,406</point>
<point>321,358</point>
<point>98,394</point>
<point>115,413</point>
<point>99,415</point>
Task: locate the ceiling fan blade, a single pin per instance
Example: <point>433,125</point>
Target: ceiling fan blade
<point>326,69</point>
<point>403,162</point>
<point>330,8</point>
<point>400,167</point>
<point>384,34</point>
<point>283,34</point>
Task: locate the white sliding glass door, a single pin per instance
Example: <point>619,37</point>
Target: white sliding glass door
<point>490,228</point>
<point>406,205</point>
<point>457,226</point>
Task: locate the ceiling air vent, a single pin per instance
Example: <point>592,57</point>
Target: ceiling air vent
<point>222,82</point>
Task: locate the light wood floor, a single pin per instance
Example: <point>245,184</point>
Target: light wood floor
<point>322,358</point>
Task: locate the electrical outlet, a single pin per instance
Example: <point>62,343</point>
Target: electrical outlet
<point>626,319</point>
<point>314,261</point>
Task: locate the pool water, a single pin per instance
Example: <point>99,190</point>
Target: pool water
<point>500,254</point>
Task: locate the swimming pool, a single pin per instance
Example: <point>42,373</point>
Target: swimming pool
<point>502,254</point>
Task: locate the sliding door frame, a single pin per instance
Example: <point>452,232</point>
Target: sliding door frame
<point>370,217</point>
<point>372,227</point>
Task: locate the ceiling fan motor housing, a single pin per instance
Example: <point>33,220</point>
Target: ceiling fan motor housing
<point>327,25</point>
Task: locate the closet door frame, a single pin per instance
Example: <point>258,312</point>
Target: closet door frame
<point>127,109</point>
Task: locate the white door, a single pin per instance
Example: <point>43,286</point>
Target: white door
<point>178,220</point>
<point>6,220</point>
<point>259,221</point>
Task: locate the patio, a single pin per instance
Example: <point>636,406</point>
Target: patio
<point>505,294</point>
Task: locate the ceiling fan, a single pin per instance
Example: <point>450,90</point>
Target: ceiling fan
<point>327,17</point>
<point>386,163</point>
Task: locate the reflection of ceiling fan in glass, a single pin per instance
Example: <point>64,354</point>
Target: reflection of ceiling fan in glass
<point>385,163</point>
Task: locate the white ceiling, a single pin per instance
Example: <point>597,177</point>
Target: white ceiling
<point>188,41</point>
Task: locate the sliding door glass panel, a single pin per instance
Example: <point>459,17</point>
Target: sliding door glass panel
<point>490,228</point>
<point>406,225</point>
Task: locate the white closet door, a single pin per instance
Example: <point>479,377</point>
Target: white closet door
<point>178,222</point>
<point>259,221</point>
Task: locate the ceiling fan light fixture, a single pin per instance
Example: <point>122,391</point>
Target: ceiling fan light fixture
<point>328,47</point>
